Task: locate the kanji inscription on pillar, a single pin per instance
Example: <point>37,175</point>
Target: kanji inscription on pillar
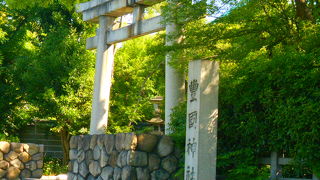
<point>193,87</point>
<point>190,173</point>
<point>202,115</point>
<point>192,119</point>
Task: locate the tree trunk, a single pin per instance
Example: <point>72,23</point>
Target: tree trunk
<point>65,139</point>
<point>302,10</point>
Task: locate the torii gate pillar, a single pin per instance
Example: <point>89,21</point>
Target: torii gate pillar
<point>174,90</point>
<point>102,79</point>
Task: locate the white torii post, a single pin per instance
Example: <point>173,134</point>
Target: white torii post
<point>103,12</point>
<point>103,75</point>
<point>174,87</point>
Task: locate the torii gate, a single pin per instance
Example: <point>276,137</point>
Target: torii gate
<point>104,12</point>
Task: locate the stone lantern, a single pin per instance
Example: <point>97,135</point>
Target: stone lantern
<point>157,121</point>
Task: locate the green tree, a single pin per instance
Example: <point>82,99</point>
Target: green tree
<point>138,76</point>
<point>269,78</point>
<point>12,107</point>
<point>48,69</point>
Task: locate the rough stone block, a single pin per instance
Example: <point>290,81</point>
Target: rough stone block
<point>80,142</point>
<point>86,142</point>
<point>26,173</point>
<point>165,146</point>
<point>93,141</point>
<point>41,148</point>
<point>96,153</point>
<point>113,159</point>
<point>100,140</point>
<point>90,177</point>
<point>25,147</point>
<point>75,167</point>
<point>83,169</point>
<point>4,164</point>
<point>32,149</point>
<point>122,159</point>
<point>143,173</point>
<point>11,156</point>
<point>117,173</point>
<point>79,177</point>
<point>169,164</point>
<point>37,173</point>
<point>4,146</point>
<point>37,156</point>
<point>137,158</point>
<point>75,177</point>
<point>94,168</point>
<point>89,157</point>
<point>73,154</point>
<point>130,141</point>
<point>70,176</point>
<point>74,142</point>
<point>81,155</point>
<point>128,173</point>
<point>2,173</point>
<point>109,142</point>
<point>24,157</point>
<point>107,173</point>
<point>39,164</point>
<point>104,158</point>
<point>100,178</point>
<point>154,162</point>
<point>70,166</point>
<point>120,138</point>
<point>17,147</point>
<point>160,175</point>
<point>17,163</point>
<point>147,142</point>
<point>32,165</point>
<point>13,172</point>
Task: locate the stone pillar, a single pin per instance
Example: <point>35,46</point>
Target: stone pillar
<point>202,116</point>
<point>174,90</point>
<point>274,165</point>
<point>102,81</point>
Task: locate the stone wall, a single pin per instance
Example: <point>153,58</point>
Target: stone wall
<point>122,157</point>
<point>20,161</point>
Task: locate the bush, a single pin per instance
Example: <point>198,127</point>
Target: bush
<point>54,166</point>
<point>4,137</point>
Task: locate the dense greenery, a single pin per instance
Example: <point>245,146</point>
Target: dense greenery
<point>46,71</point>
<point>269,79</point>
<point>269,86</point>
<point>138,76</point>
<point>54,166</point>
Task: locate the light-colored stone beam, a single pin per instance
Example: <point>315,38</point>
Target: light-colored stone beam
<point>93,9</point>
<point>140,28</point>
<point>90,4</point>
